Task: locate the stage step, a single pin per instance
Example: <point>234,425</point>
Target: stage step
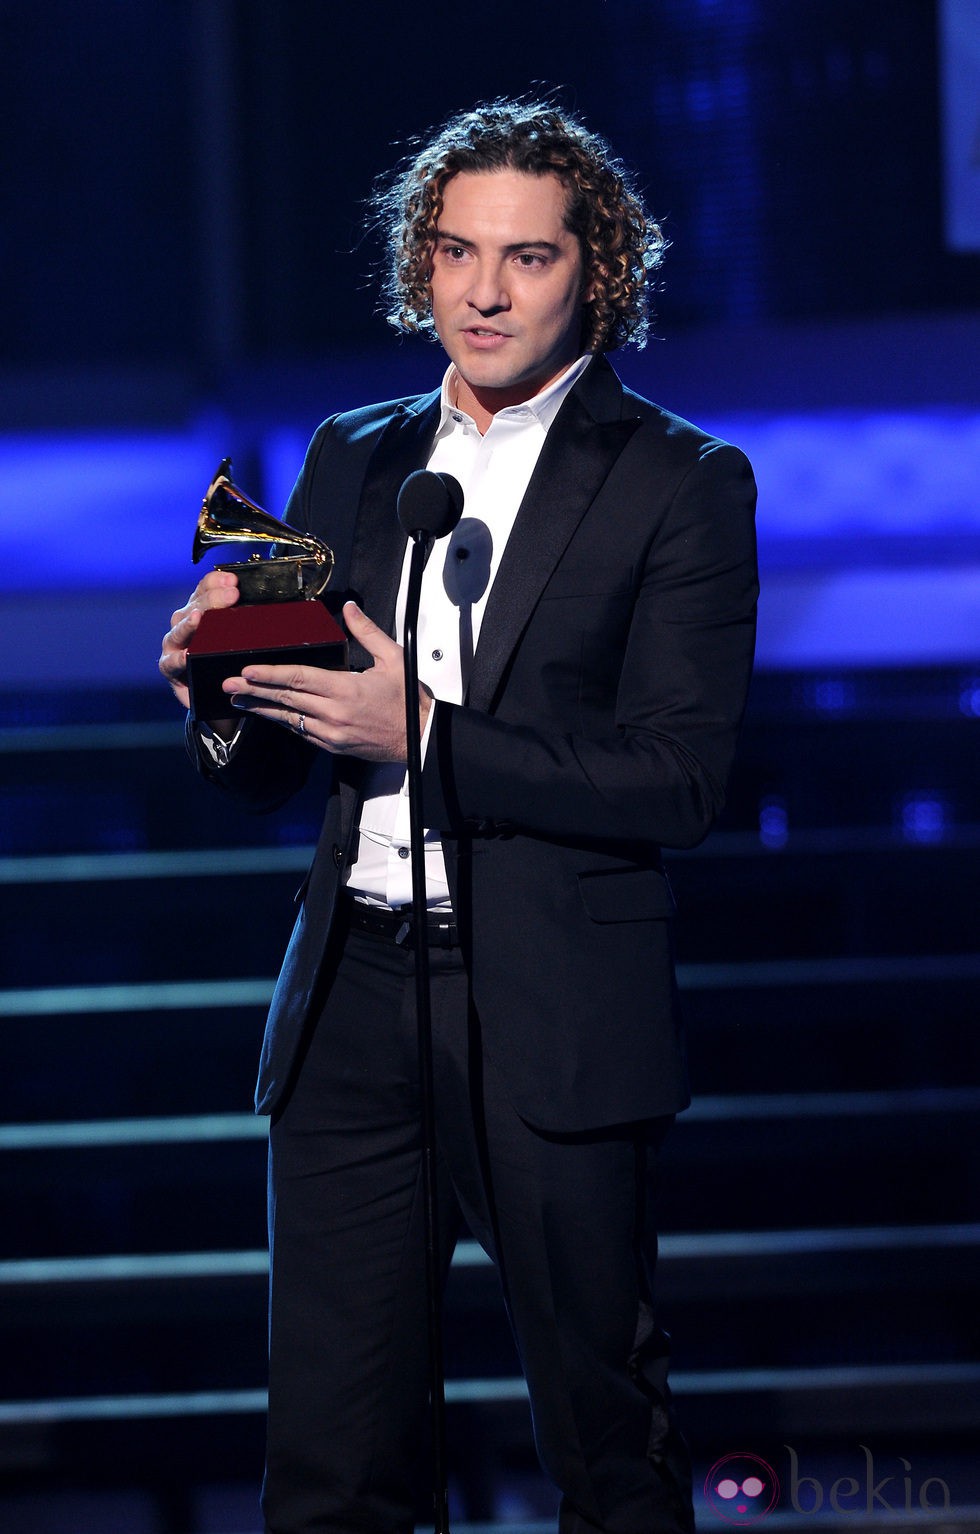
<point>820,1256</point>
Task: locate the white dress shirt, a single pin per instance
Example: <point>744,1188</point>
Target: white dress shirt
<point>494,470</point>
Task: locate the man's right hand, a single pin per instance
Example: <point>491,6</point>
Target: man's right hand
<point>219,588</point>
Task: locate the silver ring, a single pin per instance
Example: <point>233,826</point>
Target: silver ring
<point>302,724</point>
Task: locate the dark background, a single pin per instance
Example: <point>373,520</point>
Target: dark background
<point>183,183</point>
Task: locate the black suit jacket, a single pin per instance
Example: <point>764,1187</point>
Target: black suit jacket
<point>606,694</point>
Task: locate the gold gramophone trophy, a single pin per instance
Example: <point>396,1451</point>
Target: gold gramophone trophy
<point>279,618</point>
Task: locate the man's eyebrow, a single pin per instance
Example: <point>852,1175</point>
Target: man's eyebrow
<point>509,250</point>
<point>454,239</point>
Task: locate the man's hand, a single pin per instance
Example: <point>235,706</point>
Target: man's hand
<point>349,713</point>
<point>219,588</point>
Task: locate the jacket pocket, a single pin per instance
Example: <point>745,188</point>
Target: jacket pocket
<point>634,894</point>
<point>593,580</point>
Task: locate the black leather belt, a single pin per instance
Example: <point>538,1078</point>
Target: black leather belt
<point>396,926</point>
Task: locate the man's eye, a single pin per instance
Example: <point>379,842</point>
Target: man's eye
<point>529,259</point>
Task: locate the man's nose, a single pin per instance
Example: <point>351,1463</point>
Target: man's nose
<point>488,291</point>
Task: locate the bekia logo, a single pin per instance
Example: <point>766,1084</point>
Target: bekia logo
<point>742,1488</point>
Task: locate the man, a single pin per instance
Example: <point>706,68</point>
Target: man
<point>586,638</point>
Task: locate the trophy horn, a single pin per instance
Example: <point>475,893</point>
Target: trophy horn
<point>228,515</point>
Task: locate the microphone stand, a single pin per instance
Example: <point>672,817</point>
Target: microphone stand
<point>437,1395</point>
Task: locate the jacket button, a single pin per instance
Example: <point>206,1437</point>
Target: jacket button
<point>337,855</point>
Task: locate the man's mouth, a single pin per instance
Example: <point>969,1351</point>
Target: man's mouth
<point>482,336</point>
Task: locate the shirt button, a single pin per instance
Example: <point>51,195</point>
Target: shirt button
<point>403,852</point>
<point>437,655</point>
<point>457,418</point>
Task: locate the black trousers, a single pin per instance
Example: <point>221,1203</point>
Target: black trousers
<point>563,1217</point>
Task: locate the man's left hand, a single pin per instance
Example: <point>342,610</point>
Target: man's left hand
<point>349,713</point>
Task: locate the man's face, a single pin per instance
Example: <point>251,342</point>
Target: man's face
<point>507,287</point>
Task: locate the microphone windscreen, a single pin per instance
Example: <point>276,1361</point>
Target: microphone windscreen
<point>430,503</point>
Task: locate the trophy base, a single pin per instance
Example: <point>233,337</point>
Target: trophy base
<point>270,634</point>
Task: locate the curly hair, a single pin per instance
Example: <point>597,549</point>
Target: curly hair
<point>621,245</point>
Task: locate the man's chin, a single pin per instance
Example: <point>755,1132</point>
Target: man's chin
<point>500,386</point>
<point>489,373</point>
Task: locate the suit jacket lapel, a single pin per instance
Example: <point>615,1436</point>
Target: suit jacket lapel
<point>378,552</point>
<point>379,544</point>
<point>582,445</point>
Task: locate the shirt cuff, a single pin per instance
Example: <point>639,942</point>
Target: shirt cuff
<point>220,751</point>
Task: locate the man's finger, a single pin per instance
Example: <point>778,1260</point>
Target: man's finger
<point>305,679</point>
<point>374,639</point>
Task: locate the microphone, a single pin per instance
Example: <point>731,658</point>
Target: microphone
<point>429,504</point>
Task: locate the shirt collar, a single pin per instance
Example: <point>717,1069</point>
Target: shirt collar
<point>545,406</point>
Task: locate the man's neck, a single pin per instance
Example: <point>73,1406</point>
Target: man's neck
<point>484,404</point>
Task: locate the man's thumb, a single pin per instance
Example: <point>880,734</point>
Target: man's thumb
<point>367,632</point>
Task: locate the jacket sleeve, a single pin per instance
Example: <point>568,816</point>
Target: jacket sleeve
<point>656,774</point>
<point>266,768</point>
